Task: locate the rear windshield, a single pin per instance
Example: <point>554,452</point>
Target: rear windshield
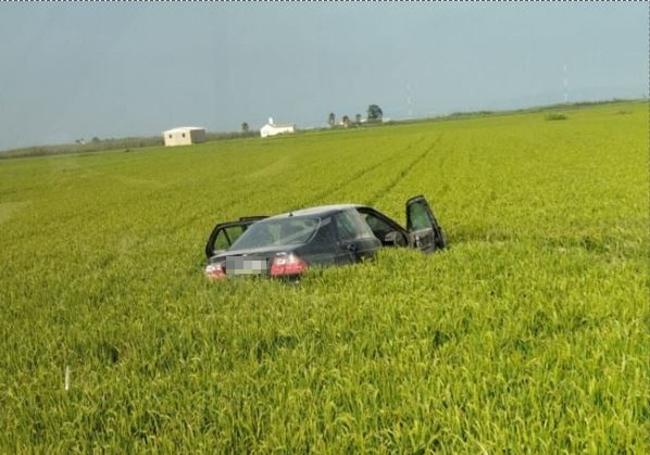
<point>283,231</point>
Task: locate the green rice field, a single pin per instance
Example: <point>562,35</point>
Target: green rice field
<point>529,334</point>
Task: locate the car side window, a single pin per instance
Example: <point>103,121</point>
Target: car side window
<point>419,217</point>
<point>350,225</point>
<point>379,227</point>
<point>227,237</point>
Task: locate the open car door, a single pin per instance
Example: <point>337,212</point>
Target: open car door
<point>224,234</point>
<point>426,234</point>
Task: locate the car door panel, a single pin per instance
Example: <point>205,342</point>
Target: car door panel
<point>323,248</point>
<point>223,235</point>
<point>426,234</point>
<point>355,240</point>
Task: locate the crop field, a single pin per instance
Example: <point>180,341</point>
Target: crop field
<point>529,334</point>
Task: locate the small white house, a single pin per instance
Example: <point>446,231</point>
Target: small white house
<point>184,135</point>
<point>272,129</point>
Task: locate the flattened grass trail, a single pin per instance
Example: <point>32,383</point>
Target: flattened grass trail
<point>530,334</point>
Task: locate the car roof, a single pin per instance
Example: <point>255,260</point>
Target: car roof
<point>320,210</point>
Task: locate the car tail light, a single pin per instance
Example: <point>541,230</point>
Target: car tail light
<point>215,271</point>
<point>287,265</point>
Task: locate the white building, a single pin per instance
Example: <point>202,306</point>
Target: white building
<point>184,135</point>
<point>272,129</point>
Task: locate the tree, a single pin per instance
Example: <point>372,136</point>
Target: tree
<point>346,121</point>
<point>331,120</point>
<point>375,113</point>
<point>244,127</point>
<point>95,140</point>
<point>357,119</point>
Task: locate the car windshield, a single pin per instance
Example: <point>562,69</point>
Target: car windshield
<point>276,232</point>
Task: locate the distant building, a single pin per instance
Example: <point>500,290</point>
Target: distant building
<point>272,129</point>
<point>184,135</point>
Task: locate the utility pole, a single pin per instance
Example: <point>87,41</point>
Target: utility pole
<point>566,84</point>
<point>409,100</point>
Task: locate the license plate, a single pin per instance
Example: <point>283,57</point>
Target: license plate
<point>243,266</point>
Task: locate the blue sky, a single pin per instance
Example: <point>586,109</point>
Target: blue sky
<point>112,70</point>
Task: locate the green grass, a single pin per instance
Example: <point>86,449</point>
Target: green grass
<point>531,333</point>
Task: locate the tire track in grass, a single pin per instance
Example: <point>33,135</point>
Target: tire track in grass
<point>198,212</point>
<point>353,178</point>
<point>318,197</point>
<point>402,174</point>
<point>314,199</point>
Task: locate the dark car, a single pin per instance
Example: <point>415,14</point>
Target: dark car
<point>287,245</point>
